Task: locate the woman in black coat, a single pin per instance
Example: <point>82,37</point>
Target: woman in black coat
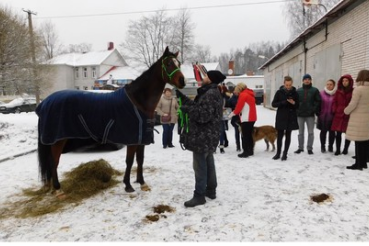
<point>286,100</point>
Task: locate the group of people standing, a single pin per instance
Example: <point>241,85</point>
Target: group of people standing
<point>340,109</point>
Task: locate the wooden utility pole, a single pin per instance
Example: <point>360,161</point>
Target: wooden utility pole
<point>33,55</point>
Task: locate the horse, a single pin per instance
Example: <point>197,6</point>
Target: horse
<point>69,119</point>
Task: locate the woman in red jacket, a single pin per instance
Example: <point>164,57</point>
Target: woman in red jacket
<point>246,109</point>
<point>340,121</point>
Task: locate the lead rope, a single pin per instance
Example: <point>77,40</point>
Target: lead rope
<point>183,122</point>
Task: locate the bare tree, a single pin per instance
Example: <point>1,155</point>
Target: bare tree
<point>75,48</point>
<point>184,36</point>
<point>49,40</point>
<point>147,38</point>
<point>202,53</point>
<point>14,52</point>
<point>250,58</point>
<point>299,17</point>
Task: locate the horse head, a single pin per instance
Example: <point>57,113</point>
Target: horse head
<point>171,69</point>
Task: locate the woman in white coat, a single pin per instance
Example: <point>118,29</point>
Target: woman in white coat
<point>358,125</point>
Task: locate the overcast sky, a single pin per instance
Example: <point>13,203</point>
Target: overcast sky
<point>234,25</point>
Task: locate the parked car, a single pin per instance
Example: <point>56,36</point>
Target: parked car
<point>19,105</point>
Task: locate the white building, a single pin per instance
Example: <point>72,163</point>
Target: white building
<point>336,44</point>
<point>84,71</point>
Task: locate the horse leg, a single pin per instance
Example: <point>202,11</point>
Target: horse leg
<point>56,151</point>
<point>131,150</point>
<point>140,152</point>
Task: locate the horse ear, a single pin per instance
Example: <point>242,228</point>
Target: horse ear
<point>166,52</point>
<point>176,54</point>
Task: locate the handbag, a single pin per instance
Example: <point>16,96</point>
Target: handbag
<point>167,118</point>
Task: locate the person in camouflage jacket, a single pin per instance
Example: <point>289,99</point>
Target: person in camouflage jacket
<point>205,114</point>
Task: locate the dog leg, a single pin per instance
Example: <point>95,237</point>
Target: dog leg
<point>267,143</point>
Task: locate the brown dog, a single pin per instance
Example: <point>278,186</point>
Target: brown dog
<point>268,133</point>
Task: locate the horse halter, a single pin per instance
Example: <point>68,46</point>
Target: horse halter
<point>176,63</point>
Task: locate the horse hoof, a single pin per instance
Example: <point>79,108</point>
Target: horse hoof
<point>145,187</point>
<point>129,189</point>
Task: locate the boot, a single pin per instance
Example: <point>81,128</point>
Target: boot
<point>211,193</point>
<point>277,156</point>
<point>226,143</point>
<point>355,167</point>
<point>221,147</point>
<point>195,201</point>
<point>323,149</point>
<point>284,156</point>
<point>330,148</point>
<point>338,148</point>
<point>243,155</point>
<point>345,149</point>
<point>238,147</point>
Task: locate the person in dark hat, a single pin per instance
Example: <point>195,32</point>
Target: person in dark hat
<point>309,106</point>
<point>205,116</point>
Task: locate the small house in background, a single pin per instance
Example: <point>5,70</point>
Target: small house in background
<point>90,70</point>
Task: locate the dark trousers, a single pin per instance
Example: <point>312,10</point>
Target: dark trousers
<point>168,134</point>
<point>339,141</point>
<point>223,135</point>
<point>323,137</point>
<point>205,173</point>
<point>247,140</point>
<point>361,153</point>
<point>287,141</point>
<point>235,123</point>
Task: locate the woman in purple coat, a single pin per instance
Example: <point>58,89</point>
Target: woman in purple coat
<point>325,117</point>
<point>341,99</point>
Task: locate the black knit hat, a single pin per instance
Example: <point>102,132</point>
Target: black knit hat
<point>216,76</point>
<point>306,76</point>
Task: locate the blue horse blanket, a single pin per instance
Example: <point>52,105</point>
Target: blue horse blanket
<point>103,117</point>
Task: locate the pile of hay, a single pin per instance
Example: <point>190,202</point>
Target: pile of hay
<point>80,183</point>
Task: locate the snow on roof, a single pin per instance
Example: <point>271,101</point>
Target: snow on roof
<point>78,59</point>
<point>121,73</point>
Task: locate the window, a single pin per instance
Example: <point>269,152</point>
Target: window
<point>76,72</point>
<point>94,72</point>
<point>85,72</point>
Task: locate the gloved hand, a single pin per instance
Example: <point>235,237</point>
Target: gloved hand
<point>179,94</point>
<point>231,115</point>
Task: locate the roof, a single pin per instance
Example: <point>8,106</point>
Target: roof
<point>121,73</point>
<point>79,59</point>
<point>333,13</point>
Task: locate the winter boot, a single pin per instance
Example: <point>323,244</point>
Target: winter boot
<point>284,156</point>
<point>195,201</point>
<point>323,149</point>
<point>221,147</point>
<point>330,148</point>
<point>243,155</point>
<point>211,193</point>
<point>345,149</point>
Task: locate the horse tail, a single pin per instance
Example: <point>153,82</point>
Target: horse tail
<point>45,161</point>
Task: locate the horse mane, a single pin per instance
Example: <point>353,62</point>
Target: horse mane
<point>143,88</point>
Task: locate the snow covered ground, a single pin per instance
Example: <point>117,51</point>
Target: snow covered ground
<point>258,199</point>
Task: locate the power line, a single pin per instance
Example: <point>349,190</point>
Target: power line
<point>165,10</point>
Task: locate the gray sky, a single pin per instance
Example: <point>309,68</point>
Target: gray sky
<point>222,28</point>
